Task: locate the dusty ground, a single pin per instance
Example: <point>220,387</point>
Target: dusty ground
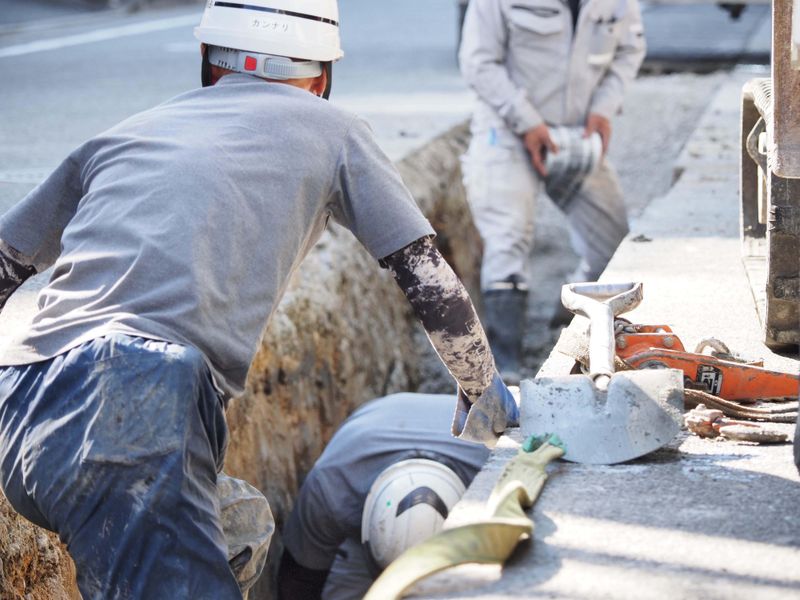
<point>659,115</point>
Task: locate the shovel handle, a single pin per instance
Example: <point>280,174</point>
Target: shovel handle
<point>601,302</point>
<point>620,297</point>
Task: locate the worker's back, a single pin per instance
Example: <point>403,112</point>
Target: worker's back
<point>184,222</point>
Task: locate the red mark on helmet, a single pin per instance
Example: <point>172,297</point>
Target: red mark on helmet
<point>250,63</point>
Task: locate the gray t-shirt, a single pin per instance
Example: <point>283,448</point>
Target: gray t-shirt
<point>380,433</point>
<point>185,222</point>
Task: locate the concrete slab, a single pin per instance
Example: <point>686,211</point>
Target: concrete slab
<point>699,518</point>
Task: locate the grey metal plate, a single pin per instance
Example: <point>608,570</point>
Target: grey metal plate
<point>640,412</point>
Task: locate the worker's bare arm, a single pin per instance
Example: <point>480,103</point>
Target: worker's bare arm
<point>443,306</point>
<point>14,270</point>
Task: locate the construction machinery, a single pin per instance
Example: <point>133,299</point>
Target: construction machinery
<point>770,182</point>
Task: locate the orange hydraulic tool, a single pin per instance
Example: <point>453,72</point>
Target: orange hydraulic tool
<point>632,339</point>
<point>656,346</point>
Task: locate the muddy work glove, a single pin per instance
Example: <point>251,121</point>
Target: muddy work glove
<point>487,418</point>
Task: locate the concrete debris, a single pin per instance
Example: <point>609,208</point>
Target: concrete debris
<point>751,432</point>
<point>711,423</point>
<point>776,412</point>
<point>700,421</point>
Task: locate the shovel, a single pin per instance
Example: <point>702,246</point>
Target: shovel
<point>604,417</point>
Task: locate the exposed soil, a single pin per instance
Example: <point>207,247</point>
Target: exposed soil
<point>34,565</point>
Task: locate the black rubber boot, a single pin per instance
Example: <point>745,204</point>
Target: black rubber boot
<point>562,316</point>
<point>505,326</point>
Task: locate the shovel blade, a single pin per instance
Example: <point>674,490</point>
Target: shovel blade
<point>640,411</point>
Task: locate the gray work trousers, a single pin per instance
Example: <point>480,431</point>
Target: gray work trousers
<point>502,189</point>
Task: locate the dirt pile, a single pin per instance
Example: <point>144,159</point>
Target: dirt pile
<point>34,565</point>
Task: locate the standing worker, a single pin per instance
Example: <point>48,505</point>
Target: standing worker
<point>172,238</point>
<point>385,482</point>
<point>536,64</point>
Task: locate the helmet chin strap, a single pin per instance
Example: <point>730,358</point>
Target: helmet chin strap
<point>205,69</point>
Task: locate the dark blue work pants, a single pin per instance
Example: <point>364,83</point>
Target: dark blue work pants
<point>115,446</point>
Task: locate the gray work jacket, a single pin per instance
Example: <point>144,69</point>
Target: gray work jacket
<point>528,66</point>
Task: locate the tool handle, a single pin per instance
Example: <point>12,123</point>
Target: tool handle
<point>621,297</point>
<point>601,343</point>
<point>601,303</point>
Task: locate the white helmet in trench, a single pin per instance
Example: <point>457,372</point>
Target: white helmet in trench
<point>407,503</point>
<point>260,37</point>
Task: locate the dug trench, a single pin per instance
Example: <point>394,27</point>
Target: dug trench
<point>344,334</point>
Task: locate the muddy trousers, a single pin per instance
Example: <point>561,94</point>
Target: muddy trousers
<point>115,445</point>
<point>502,189</point>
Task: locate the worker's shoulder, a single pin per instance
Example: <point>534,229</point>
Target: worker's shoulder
<point>401,411</point>
<point>255,103</point>
<point>287,103</point>
<point>408,401</point>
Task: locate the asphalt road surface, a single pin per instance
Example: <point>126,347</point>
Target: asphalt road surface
<point>69,72</point>
<point>63,84</point>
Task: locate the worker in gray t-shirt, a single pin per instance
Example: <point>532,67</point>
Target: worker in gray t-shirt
<point>324,556</point>
<point>172,237</point>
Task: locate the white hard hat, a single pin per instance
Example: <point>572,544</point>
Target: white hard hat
<point>305,29</point>
<point>407,504</point>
